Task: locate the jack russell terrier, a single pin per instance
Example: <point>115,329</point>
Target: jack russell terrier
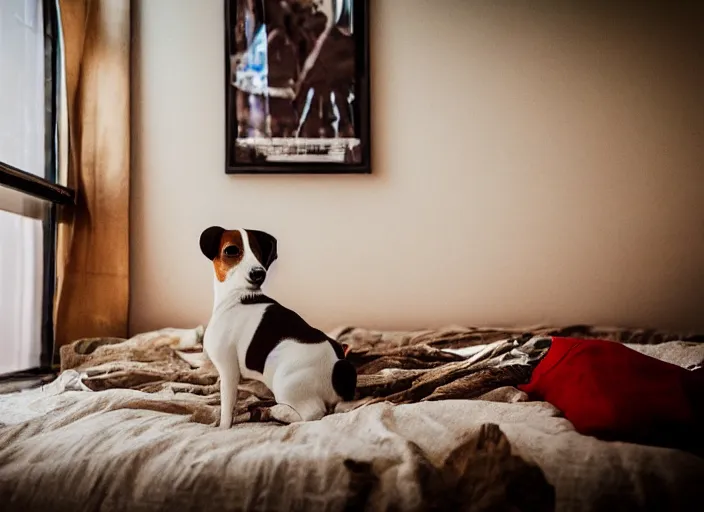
<point>252,336</point>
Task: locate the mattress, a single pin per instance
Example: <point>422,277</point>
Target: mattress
<point>437,423</point>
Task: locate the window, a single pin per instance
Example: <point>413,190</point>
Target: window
<point>21,291</point>
<point>29,195</point>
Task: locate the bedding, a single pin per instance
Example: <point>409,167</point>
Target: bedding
<point>607,390</point>
<point>437,423</point>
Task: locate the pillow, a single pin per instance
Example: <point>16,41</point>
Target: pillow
<point>612,392</point>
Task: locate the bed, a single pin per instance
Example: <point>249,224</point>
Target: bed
<point>438,423</point>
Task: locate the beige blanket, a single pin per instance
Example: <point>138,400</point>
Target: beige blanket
<point>153,447</point>
<point>396,367</point>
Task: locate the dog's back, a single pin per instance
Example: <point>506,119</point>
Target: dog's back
<point>284,344</point>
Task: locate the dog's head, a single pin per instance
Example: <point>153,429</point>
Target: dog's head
<point>241,257</point>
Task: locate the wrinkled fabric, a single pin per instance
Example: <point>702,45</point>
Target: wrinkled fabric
<point>127,450</point>
<point>396,367</point>
<point>114,452</point>
<point>92,247</point>
<point>142,438</point>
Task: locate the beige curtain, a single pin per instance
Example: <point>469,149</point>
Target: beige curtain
<point>94,158</point>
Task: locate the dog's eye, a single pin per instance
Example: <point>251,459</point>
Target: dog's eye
<point>231,250</point>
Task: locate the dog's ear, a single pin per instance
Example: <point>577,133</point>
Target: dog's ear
<point>265,244</point>
<point>210,241</point>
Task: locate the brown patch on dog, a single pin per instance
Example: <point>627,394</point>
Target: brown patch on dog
<point>230,254</point>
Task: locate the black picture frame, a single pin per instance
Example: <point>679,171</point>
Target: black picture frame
<point>359,112</point>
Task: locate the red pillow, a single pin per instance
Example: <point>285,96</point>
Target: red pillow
<point>615,393</point>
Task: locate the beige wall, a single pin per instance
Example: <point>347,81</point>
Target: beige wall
<point>531,164</point>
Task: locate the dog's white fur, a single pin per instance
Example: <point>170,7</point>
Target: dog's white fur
<point>298,375</point>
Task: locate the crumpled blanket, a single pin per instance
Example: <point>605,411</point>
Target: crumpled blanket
<point>146,443</point>
<point>395,367</point>
<point>111,451</point>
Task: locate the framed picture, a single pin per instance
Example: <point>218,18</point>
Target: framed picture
<point>297,86</point>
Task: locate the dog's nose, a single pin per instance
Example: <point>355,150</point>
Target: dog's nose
<point>257,275</point>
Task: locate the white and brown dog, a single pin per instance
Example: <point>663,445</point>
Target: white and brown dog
<point>252,336</point>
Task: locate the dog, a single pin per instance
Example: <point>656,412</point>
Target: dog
<point>252,336</point>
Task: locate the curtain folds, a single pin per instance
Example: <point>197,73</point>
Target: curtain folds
<point>92,291</point>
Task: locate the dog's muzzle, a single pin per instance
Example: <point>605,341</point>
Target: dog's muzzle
<point>257,275</point>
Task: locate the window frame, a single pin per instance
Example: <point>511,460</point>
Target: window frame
<point>57,196</point>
